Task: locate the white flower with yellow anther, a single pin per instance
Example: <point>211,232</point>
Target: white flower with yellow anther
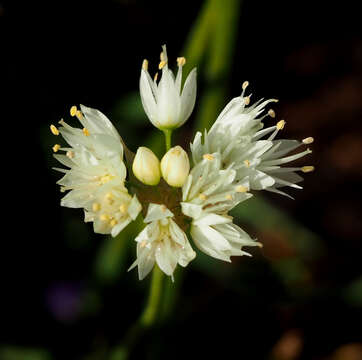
<point>146,166</point>
<point>96,172</point>
<point>208,194</point>
<point>166,103</point>
<point>237,134</point>
<point>175,166</point>
<point>162,242</point>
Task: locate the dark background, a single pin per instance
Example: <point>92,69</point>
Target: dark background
<point>60,53</point>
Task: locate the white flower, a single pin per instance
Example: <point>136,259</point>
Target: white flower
<point>175,166</point>
<point>163,242</point>
<point>146,166</point>
<point>96,172</point>
<point>208,194</point>
<point>166,105</point>
<point>237,135</point>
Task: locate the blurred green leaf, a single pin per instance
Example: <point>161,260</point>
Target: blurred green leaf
<point>129,110</point>
<point>353,293</point>
<point>19,353</point>
<point>264,216</point>
<point>113,255</point>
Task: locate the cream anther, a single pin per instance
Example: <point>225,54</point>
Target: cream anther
<point>181,61</point>
<point>70,154</point>
<point>202,197</point>
<point>281,124</point>
<point>271,113</point>
<point>245,85</point>
<point>247,163</point>
<point>247,100</point>
<point>241,189</point>
<point>308,140</point>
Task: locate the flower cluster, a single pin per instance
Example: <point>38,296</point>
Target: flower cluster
<point>236,157</point>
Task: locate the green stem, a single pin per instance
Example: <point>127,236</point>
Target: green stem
<point>148,316</point>
<point>168,134</point>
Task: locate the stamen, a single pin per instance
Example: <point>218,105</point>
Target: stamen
<point>73,110</point>
<point>113,222</point>
<point>143,243</point>
<point>70,154</point>
<point>202,197</point>
<point>96,207</point>
<point>281,124</point>
<point>56,147</point>
<point>86,132</point>
<point>271,113</point>
<point>245,85</point>
<point>308,140</point>
<point>155,77</point>
<point>123,208</point>
<point>307,169</point>
<point>63,189</point>
<point>162,64</point>
<point>228,197</point>
<point>79,114</point>
<point>241,189</point>
<point>163,208</point>
<point>208,157</point>
<point>181,61</point>
<point>247,100</point>
<point>54,130</point>
<point>109,197</point>
<point>145,64</point>
<point>104,179</point>
<point>247,163</point>
<point>104,217</point>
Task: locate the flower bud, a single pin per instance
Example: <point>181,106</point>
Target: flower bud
<point>175,166</point>
<point>146,166</point>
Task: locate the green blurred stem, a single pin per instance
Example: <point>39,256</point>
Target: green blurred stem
<point>168,134</point>
<point>148,316</point>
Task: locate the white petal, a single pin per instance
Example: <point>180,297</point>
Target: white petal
<point>157,212</point>
<point>188,96</point>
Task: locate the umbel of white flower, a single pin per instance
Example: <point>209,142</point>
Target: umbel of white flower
<point>166,103</point>
<point>235,158</point>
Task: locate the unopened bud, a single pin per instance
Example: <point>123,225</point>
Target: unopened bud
<point>175,166</point>
<point>146,166</point>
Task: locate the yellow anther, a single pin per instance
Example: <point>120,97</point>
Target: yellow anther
<point>96,207</point>
<point>181,61</point>
<point>163,208</point>
<point>247,163</point>
<point>56,147</point>
<point>155,77</point>
<point>281,124</point>
<point>73,110</point>
<point>54,130</point>
<point>307,169</point>
<point>104,217</point>
<point>208,157</point>
<point>86,132</point>
<point>241,189</point>
<point>308,140</point>
<point>113,222</point>
<point>123,208</point>
<point>245,85</point>
<point>202,197</point>
<point>79,114</point>
<point>109,197</point>
<point>247,100</point>
<point>271,113</point>
<point>162,64</point>
<point>143,243</point>
<point>70,154</point>
<point>104,179</point>
<point>228,197</point>
<point>145,65</point>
